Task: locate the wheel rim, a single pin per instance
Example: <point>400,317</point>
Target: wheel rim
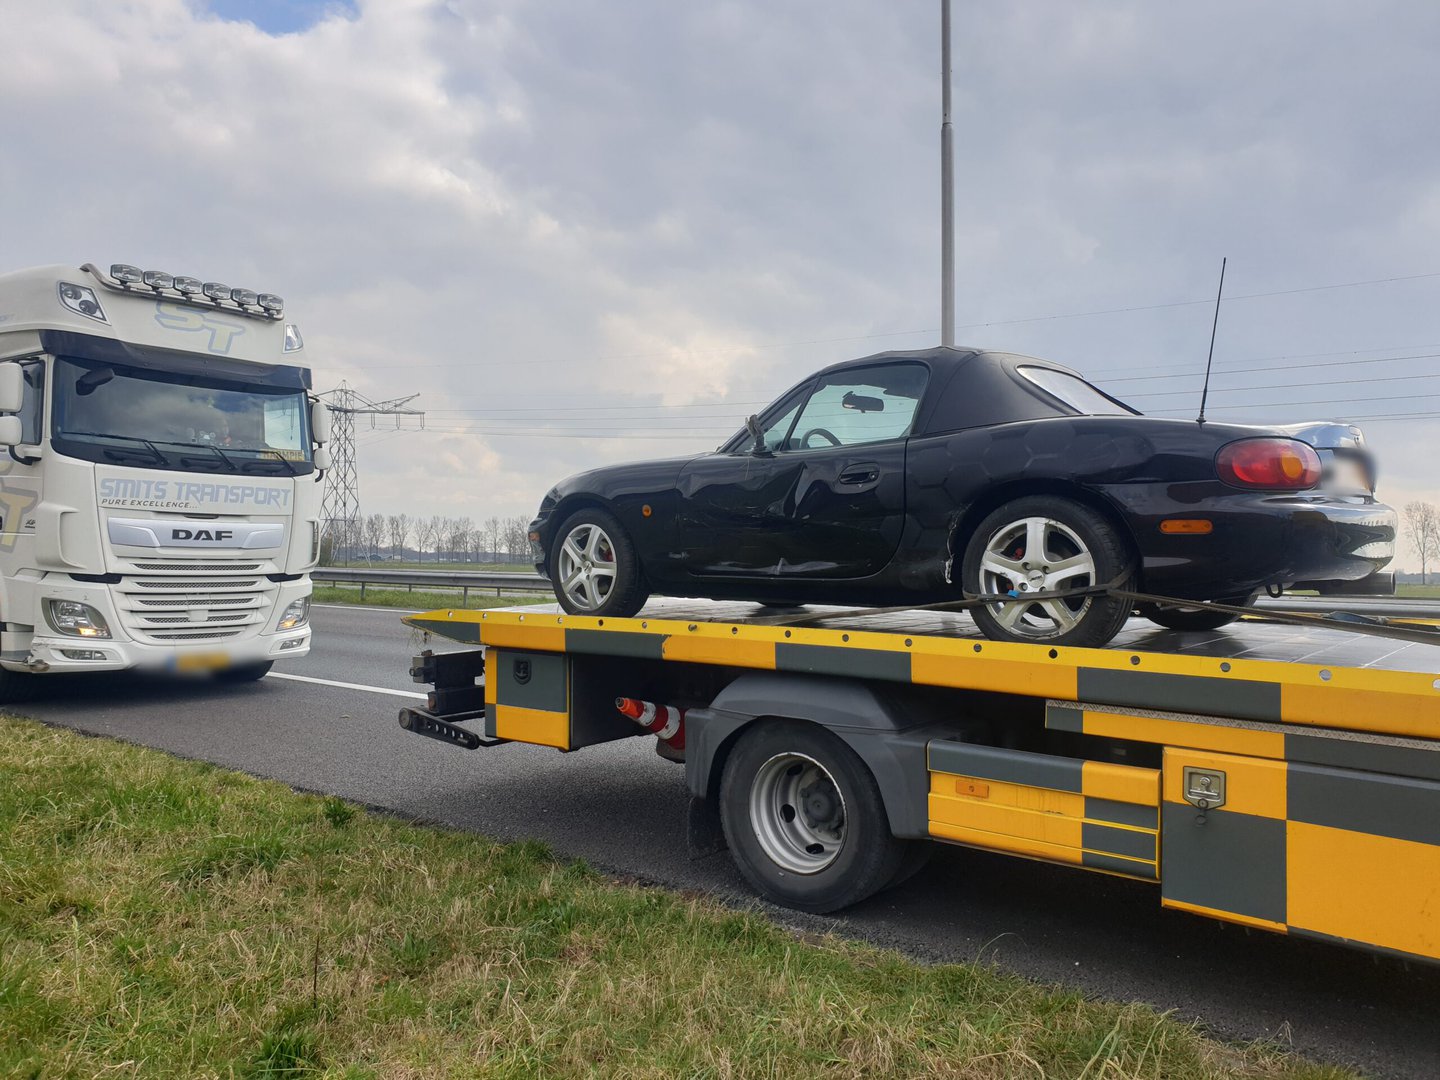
<point>1037,554</point>
<point>797,813</point>
<point>586,567</point>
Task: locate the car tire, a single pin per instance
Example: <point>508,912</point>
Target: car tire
<point>243,673</point>
<point>1174,618</point>
<point>593,552</point>
<point>804,820</point>
<point>1079,546</point>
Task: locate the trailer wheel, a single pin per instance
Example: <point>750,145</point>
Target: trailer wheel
<point>804,819</point>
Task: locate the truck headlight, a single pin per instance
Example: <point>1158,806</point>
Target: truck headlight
<point>77,619</point>
<point>295,615</point>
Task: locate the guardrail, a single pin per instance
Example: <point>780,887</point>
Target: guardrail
<point>464,580</point>
<point>503,582</point>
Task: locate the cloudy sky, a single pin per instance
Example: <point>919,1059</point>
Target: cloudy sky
<point>585,232</point>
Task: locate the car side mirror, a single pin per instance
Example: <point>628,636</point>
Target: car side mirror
<point>757,437</point>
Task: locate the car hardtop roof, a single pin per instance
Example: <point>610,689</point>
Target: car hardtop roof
<point>946,358</point>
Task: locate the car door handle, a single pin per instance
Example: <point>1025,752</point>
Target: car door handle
<point>860,474</point>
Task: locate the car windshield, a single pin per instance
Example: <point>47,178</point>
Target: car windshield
<point>1075,392</point>
<point>117,414</point>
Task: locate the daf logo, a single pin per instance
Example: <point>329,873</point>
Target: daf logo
<point>215,536</point>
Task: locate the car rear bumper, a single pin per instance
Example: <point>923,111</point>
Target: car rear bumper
<point>1265,539</point>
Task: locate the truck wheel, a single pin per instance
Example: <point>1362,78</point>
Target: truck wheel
<point>593,566</point>
<point>243,673</point>
<point>1046,543</point>
<point>1180,619</point>
<point>804,819</point>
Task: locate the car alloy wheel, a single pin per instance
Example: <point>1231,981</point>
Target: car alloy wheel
<point>586,566</point>
<point>593,567</point>
<point>1042,544</point>
<point>1037,554</point>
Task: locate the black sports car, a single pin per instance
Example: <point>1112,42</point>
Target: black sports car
<point>917,477</point>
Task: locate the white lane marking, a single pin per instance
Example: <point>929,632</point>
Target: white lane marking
<point>347,685</point>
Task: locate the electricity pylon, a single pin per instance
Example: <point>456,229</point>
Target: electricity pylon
<point>340,504</point>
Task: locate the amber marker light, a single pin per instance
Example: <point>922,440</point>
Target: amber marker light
<point>645,510</point>
<point>1187,526</point>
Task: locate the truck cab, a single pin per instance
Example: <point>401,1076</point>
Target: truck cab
<point>160,459</point>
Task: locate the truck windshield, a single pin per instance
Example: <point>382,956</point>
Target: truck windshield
<point>151,419</point>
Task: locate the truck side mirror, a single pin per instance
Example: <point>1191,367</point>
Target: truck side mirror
<point>12,390</point>
<point>10,431</point>
<point>320,421</point>
<point>322,458</point>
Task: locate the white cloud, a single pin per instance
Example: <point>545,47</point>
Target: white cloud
<point>549,209</point>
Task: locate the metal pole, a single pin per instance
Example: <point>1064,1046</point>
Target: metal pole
<point>947,188</point>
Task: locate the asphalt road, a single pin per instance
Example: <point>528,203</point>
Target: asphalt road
<point>623,809</point>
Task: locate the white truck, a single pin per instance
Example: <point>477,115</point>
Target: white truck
<point>160,465</point>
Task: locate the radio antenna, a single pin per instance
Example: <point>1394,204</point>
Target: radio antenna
<point>1205,390</point>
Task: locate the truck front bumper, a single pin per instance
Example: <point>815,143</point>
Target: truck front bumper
<point>55,654</point>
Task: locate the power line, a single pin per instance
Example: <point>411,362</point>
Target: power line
<point>1283,386</point>
<point>906,333</point>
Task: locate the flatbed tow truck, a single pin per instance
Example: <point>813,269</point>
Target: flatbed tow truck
<point>1283,774</point>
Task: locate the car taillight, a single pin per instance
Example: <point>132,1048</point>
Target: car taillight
<point>1274,464</point>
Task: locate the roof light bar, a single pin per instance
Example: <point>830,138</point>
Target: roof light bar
<point>193,288</point>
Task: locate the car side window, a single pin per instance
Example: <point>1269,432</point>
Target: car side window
<point>860,405</point>
<point>778,431</point>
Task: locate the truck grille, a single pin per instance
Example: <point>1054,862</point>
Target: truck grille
<point>175,610</point>
<point>197,567</point>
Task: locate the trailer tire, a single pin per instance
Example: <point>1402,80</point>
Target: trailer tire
<point>804,819</point>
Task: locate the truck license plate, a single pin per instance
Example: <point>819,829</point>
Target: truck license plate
<point>205,661</point>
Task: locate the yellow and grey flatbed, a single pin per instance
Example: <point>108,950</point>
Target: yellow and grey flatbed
<point>1281,776</point>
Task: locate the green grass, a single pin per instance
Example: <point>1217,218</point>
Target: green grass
<point>162,918</point>
<point>420,599</point>
<point>1431,592</point>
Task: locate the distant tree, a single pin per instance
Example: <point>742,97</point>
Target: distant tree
<point>1423,525</point>
<point>435,530</point>
<point>399,533</point>
<point>375,533</point>
<point>493,531</point>
<point>460,529</point>
<point>515,537</point>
